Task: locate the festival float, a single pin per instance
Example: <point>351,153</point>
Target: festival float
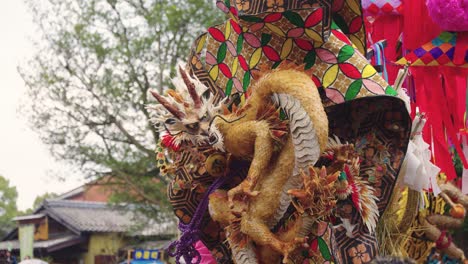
<point>284,144</point>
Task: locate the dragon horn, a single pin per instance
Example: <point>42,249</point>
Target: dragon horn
<point>171,108</point>
<point>191,88</point>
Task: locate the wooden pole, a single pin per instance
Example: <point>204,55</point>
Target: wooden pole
<point>129,255</point>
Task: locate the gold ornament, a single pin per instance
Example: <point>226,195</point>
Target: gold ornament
<point>216,164</point>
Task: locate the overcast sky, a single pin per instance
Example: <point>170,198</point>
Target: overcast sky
<point>24,160</point>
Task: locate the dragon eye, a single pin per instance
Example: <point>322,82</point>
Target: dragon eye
<point>170,121</point>
<point>193,126</point>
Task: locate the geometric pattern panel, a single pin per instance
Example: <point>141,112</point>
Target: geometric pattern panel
<point>234,52</point>
<point>348,13</point>
<point>382,7</point>
<point>438,52</point>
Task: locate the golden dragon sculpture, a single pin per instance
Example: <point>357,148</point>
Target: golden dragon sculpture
<point>276,175</point>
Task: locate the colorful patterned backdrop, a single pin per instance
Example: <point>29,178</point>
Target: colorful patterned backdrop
<point>238,48</point>
<point>226,59</point>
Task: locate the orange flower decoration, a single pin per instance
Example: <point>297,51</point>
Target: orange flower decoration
<point>359,254</point>
<point>275,5</point>
<point>243,5</point>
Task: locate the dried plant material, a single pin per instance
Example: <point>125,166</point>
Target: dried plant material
<point>317,197</point>
<point>278,148</point>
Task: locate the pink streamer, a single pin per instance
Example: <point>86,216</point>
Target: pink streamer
<point>206,257</point>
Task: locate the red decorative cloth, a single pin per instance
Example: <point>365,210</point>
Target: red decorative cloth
<point>441,94</point>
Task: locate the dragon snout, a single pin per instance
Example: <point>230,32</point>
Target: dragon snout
<point>213,139</point>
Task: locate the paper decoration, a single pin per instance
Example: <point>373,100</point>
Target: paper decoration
<point>440,70</point>
<point>382,7</point>
<point>421,173</point>
<point>439,52</point>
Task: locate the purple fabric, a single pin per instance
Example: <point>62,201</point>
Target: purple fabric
<point>450,52</point>
<point>185,246</point>
<point>420,52</point>
<point>436,52</point>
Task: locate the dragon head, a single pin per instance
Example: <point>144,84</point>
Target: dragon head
<point>184,115</point>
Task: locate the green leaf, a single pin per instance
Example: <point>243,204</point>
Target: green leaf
<point>345,53</point>
<point>240,41</point>
<point>309,59</point>
<point>79,28</point>
<point>353,90</point>
<point>324,250</point>
<point>229,85</point>
<point>8,209</point>
<point>390,91</point>
<point>265,39</point>
<point>246,81</point>
<point>221,52</point>
<point>276,64</point>
<point>334,25</point>
<point>294,18</point>
<point>340,22</point>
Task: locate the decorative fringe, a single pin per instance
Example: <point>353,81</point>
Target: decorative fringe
<point>391,234</point>
<point>388,28</point>
<point>409,204</point>
<point>443,83</point>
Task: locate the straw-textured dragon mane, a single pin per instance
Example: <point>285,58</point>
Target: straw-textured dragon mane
<point>282,151</point>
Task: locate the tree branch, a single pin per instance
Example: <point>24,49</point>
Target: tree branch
<point>133,140</point>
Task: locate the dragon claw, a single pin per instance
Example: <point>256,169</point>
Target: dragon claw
<point>242,189</point>
<point>239,213</point>
<point>251,193</point>
<point>288,247</point>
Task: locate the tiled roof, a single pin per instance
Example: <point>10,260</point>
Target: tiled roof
<point>51,243</point>
<point>28,217</point>
<point>71,193</point>
<point>81,216</point>
<point>149,245</point>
